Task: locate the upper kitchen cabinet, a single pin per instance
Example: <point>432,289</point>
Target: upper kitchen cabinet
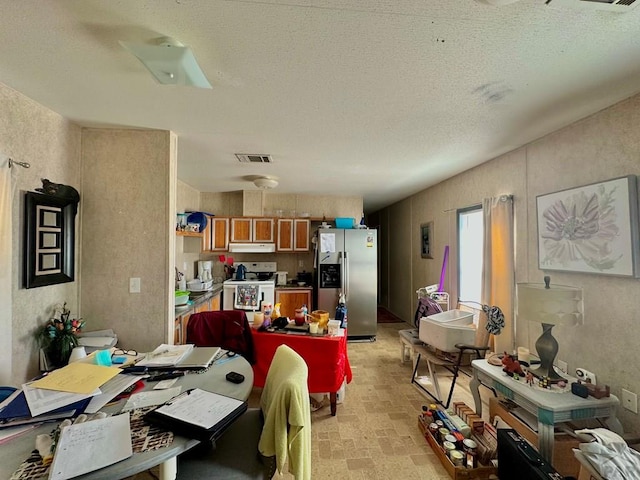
<point>293,235</point>
<point>216,235</point>
<point>247,230</point>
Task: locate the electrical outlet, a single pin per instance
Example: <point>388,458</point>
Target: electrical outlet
<point>300,263</point>
<point>630,400</point>
<point>562,365</point>
<point>586,376</point>
<point>134,285</point>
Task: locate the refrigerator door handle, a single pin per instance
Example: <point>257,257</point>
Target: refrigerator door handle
<point>345,282</point>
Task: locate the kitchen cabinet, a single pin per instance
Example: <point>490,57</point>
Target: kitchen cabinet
<point>204,303</point>
<point>216,235</point>
<point>252,230</point>
<point>293,234</point>
<point>292,298</point>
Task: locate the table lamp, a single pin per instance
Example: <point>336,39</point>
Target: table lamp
<point>548,305</point>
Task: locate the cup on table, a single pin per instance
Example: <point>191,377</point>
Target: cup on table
<point>524,356</point>
<point>313,327</point>
<point>258,319</point>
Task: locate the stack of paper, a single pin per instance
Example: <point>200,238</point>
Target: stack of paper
<point>166,355</point>
<point>63,393</point>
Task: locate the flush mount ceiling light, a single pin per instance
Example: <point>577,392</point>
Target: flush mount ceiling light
<point>170,62</point>
<point>265,183</point>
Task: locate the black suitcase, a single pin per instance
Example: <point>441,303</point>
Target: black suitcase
<point>518,460</point>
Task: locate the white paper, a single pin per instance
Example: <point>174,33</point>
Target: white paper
<point>327,242</point>
<point>166,355</point>
<point>164,384</point>
<point>150,398</point>
<point>201,408</point>
<point>42,401</point>
<point>110,389</point>
<point>88,446</point>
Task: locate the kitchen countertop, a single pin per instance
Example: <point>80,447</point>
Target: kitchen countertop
<point>286,287</point>
<point>197,300</point>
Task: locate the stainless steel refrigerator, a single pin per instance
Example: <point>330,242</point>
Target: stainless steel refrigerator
<point>347,262</point>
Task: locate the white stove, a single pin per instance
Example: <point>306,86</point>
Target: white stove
<point>250,294</point>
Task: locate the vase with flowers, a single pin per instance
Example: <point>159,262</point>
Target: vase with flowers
<point>58,337</point>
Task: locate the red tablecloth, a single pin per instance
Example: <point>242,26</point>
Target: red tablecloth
<point>326,358</point>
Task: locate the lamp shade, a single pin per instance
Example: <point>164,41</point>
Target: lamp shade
<point>554,305</point>
<point>170,62</point>
<point>265,183</point>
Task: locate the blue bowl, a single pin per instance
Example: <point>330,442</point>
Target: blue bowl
<point>199,218</point>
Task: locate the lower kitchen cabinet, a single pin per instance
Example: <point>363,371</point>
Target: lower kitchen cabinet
<point>182,320</point>
<point>292,298</point>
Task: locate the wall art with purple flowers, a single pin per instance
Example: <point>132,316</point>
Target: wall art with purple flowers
<point>591,229</point>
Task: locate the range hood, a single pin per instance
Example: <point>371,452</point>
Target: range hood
<point>252,247</point>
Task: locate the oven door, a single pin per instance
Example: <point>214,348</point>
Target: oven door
<point>248,296</point>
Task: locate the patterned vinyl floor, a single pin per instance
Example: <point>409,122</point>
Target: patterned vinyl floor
<point>374,435</point>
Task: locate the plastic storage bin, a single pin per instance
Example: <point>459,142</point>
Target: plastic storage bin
<point>345,222</point>
<point>444,330</point>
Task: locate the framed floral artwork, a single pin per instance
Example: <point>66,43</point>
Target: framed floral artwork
<point>590,229</point>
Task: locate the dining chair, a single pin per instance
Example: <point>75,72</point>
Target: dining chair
<point>266,439</point>
<point>228,329</point>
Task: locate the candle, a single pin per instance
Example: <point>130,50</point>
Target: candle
<point>313,327</point>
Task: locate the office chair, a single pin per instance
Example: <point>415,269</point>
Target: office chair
<point>491,321</point>
<point>228,329</point>
<point>263,439</point>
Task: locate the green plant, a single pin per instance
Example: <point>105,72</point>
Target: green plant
<point>58,337</point>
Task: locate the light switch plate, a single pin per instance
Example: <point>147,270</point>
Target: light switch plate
<point>134,285</point>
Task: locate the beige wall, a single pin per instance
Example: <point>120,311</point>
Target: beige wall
<point>603,146</point>
<point>128,226</point>
<point>187,248</point>
<point>51,144</point>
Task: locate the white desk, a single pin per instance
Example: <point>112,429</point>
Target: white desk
<point>15,452</point>
<point>550,408</point>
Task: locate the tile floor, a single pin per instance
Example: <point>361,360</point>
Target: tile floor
<point>374,434</point>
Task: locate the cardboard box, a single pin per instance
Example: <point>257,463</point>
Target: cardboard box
<point>564,460</point>
<point>456,472</point>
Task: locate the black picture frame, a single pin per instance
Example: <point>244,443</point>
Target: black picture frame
<point>426,240</point>
<point>49,253</point>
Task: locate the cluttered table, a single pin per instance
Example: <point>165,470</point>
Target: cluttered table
<point>326,357</point>
<point>15,452</point>
<point>549,406</point>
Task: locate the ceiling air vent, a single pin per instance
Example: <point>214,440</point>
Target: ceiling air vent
<point>619,6</point>
<point>253,158</point>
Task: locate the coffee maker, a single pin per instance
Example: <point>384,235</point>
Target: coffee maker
<point>204,270</point>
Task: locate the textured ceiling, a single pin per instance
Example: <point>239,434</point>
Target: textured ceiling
<point>377,98</point>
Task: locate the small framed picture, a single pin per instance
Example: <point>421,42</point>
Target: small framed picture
<point>426,234</point>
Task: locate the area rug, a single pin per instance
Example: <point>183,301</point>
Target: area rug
<point>385,316</point>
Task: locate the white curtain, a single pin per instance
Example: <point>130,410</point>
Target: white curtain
<point>6,195</point>
<point>498,261</point>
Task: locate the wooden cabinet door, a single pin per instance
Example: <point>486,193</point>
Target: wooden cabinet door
<point>263,230</point>
<point>218,234</point>
<point>215,302</point>
<point>301,235</point>
<point>292,298</point>
<point>241,230</point>
<point>285,235</point>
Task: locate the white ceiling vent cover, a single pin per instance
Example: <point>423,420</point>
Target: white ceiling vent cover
<point>619,6</point>
<point>254,158</point>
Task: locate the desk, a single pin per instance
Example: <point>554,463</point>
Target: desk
<point>550,408</point>
<point>326,357</point>
<point>15,452</point>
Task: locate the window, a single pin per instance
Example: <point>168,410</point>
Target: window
<point>470,246</point>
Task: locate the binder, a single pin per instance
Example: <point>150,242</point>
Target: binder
<point>17,412</point>
<point>198,414</point>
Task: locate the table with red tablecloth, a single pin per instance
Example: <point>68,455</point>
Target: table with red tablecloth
<point>326,357</point>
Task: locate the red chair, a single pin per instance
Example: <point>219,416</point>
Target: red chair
<point>228,329</point>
